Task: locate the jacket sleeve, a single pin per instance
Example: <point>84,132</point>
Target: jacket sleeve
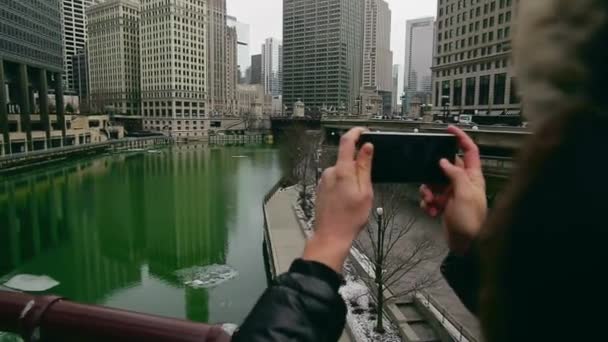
<point>304,305</point>
<point>463,275</point>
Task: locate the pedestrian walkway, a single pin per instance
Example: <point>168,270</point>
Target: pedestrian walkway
<point>287,238</point>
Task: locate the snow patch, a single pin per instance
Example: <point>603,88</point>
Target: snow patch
<point>361,315</point>
<point>31,283</point>
<point>204,277</point>
<point>229,328</point>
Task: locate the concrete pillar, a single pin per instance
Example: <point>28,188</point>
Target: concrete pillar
<point>43,98</point>
<point>24,104</point>
<point>4,111</point>
<point>59,105</point>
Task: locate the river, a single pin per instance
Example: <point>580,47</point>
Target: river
<point>114,230</point>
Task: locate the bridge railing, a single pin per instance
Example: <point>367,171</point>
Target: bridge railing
<point>267,239</point>
<point>51,318</point>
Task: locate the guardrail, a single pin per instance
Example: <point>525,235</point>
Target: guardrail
<point>269,250</point>
<point>458,332</point>
<point>51,318</point>
<point>34,157</point>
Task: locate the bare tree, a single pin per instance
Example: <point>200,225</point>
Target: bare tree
<point>300,152</point>
<point>399,254</point>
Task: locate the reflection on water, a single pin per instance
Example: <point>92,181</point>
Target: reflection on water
<point>114,230</point>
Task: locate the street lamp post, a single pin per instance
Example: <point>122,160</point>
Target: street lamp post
<point>379,263</point>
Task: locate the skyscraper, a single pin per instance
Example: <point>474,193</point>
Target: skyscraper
<point>232,70</point>
<point>242,32</point>
<point>395,87</point>
<point>216,56</point>
<point>113,54</point>
<point>377,54</point>
<point>473,71</point>
<point>173,59</point>
<point>80,65</point>
<point>272,50</point>
<point>30,65</point>
<point>74,26</point>
<point>256,69</point>
<point>418,59</point>
<point>322,54</point>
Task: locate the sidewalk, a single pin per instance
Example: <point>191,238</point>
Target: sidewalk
<point>287,237</point>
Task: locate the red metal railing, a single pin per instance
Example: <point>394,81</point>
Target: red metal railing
<point>51,318</point>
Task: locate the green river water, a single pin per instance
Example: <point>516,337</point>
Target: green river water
<point>114,230</point>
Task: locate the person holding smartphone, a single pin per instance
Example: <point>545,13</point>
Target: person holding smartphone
<point>532,269</point>
<point>305,305</point>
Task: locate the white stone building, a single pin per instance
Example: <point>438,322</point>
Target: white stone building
<point>173,60</point>
<point>377,54</point>
<point>113,57</point>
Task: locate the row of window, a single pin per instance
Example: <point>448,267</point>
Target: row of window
<point>462,4</point>
<point>503,18</point>
<point>475,91</point>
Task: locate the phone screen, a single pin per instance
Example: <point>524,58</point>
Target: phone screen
<point>410,157</point>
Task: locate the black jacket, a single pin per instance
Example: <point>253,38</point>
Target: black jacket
<point>304,305</point>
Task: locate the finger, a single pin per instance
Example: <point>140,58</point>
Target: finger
<point>459,162</point>
<point>348,142</point>
<point>468,147</point>
<point>426,194</point>
<point>454,173</point>
<point>327,177</point>
<point>429,209</point>
<point>364,164</point>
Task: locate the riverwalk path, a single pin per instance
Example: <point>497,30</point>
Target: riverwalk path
<point>287,238</point>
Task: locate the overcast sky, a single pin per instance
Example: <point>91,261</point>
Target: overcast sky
<point>265,20</point>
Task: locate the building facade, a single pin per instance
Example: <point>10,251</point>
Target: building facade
<point>395,89</point>
<point>272,51</point>
<point>242,32</point>
<point>173,60</point>
<point>377,54</point>
<point>322,54</point>
<point>253,101</point>
<point>74,28</point>
<point>417,77</point>
<point>232,70</point>
<point>472,66</point>
<point>31,63</point>
<point>114,58</point>
<point>256,69</point>
<point>216,57</point>
<point>80,65</point>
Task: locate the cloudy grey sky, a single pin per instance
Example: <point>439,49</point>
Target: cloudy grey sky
<point>265,20</point>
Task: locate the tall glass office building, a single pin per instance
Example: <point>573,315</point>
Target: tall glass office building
<point>322,54</point>
<point>31,61</point>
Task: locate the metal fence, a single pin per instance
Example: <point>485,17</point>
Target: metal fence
<point>267,240</point>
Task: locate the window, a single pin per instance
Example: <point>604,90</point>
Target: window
<point>469,96</point>
<point>514,96</point>
<point>484,90</point>
<point>500,86</point>
<point>436,94</point>
<point>445,93</point>
<point>457,92</point>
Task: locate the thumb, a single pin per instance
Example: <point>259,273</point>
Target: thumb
<point>457,175</point>
<point>364,163</point>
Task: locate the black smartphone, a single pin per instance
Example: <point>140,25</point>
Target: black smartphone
<point>410,157</point>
